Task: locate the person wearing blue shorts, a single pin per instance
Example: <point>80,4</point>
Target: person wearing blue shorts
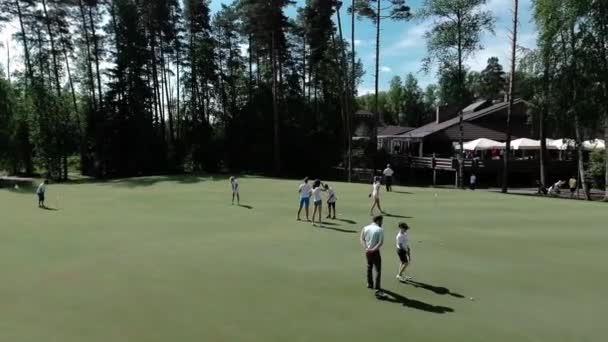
<point>304,190</point>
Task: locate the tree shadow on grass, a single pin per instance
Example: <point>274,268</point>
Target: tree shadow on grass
<point>415,304</point>
<point>153,180</point>
<point>436,289</point>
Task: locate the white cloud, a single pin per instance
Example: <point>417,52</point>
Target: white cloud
<point>385,69</point>
<point>412,38</point>
<point>358,42</point>
<point>365,91</point>
<point>500,46</point>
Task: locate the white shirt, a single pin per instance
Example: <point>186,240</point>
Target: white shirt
<point>388,172</point>
<point>473,179</point>
<point>316,194</point>
<point>304,190</point>
<point>235,185</point>
<point>331,196</point>
<point>41,189</point>
<point>372,235</point>
<point>376,189</point>
<point>402,241</point>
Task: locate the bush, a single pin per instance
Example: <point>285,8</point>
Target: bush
<point>597,169</point>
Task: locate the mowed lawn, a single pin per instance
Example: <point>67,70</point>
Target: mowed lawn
<point>169,259</point>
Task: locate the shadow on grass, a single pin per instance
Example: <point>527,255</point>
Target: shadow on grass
<point>402,192</point>
<point>49,208</point>
<point>415,304</point>
<point>436,289</point>
<point>348,231</point>
<point>347,221</point>
<point>397,216</point>
<point>245,206</point>
<point>153,180</point>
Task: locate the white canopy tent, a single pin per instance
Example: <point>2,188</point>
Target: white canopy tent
<point>594,145</point>
<point>561,144</point>
<point>483,144</point>
<point>525,144</point>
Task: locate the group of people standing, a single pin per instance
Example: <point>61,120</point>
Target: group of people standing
<point>306,191</point>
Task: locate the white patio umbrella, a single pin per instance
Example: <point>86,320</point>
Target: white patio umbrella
<point>592,145</point>
<point>483,144</point>
<point>525,144</point>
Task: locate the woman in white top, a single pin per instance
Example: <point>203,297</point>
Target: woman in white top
<point>375,195</point>
<point>317,200</point>
<point>234,185</point>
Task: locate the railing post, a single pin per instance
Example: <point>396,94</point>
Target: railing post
<point>434,164</point>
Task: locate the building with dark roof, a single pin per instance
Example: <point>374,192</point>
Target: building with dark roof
<point>483,119</point>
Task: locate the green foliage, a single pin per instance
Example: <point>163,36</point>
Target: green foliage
<point>597,169</point>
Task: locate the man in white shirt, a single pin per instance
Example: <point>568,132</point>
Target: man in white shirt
<point>473,182</point>
<point>40,192</point>
<point>304,190</point>
<point>371,239</point>
<point>388,177</point>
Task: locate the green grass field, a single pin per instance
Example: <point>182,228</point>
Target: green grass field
<point>169,259</point>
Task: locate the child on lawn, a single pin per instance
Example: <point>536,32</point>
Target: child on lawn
<point>40,192</point>
<point>331,201</point>
<point>234,184</point>
<point>403,251</point>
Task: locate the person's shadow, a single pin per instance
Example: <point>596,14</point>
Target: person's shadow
<point>401,192</point>
<point>49,208</point>
<point>397,216</point>
<point>436,289</point>
<point>414,304</point>
<point>347,221</point>
<point>245,206</point>
<point>328,227</point>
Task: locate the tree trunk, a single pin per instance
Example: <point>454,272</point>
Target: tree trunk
<point>275,107</point>
<point>542,121</point>
<point>347,91</point>
<point>353,80</point>
<point>376,87</point>
<point>96,47</point>
<point>71,82</point>
<point>53,51</point>
<point>460,178</point>
<point>166,86</point>
<point>250,68</point>
<point>26,51</point>
<point>88,51</point>
<point>505,171</point>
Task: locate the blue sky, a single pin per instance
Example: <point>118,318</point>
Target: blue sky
<point>403,46</point>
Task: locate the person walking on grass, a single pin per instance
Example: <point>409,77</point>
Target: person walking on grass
<point>234,184</point>
<point>572,183</point>
<point>317,188</point>
<point>403,251</point>
<point>375,196</point>
<point>388,177</point>
<point>473,182</point>
<point>372,239</point>
<point>331,201</point>
<point>41,191</point>
<point>304,190</point>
